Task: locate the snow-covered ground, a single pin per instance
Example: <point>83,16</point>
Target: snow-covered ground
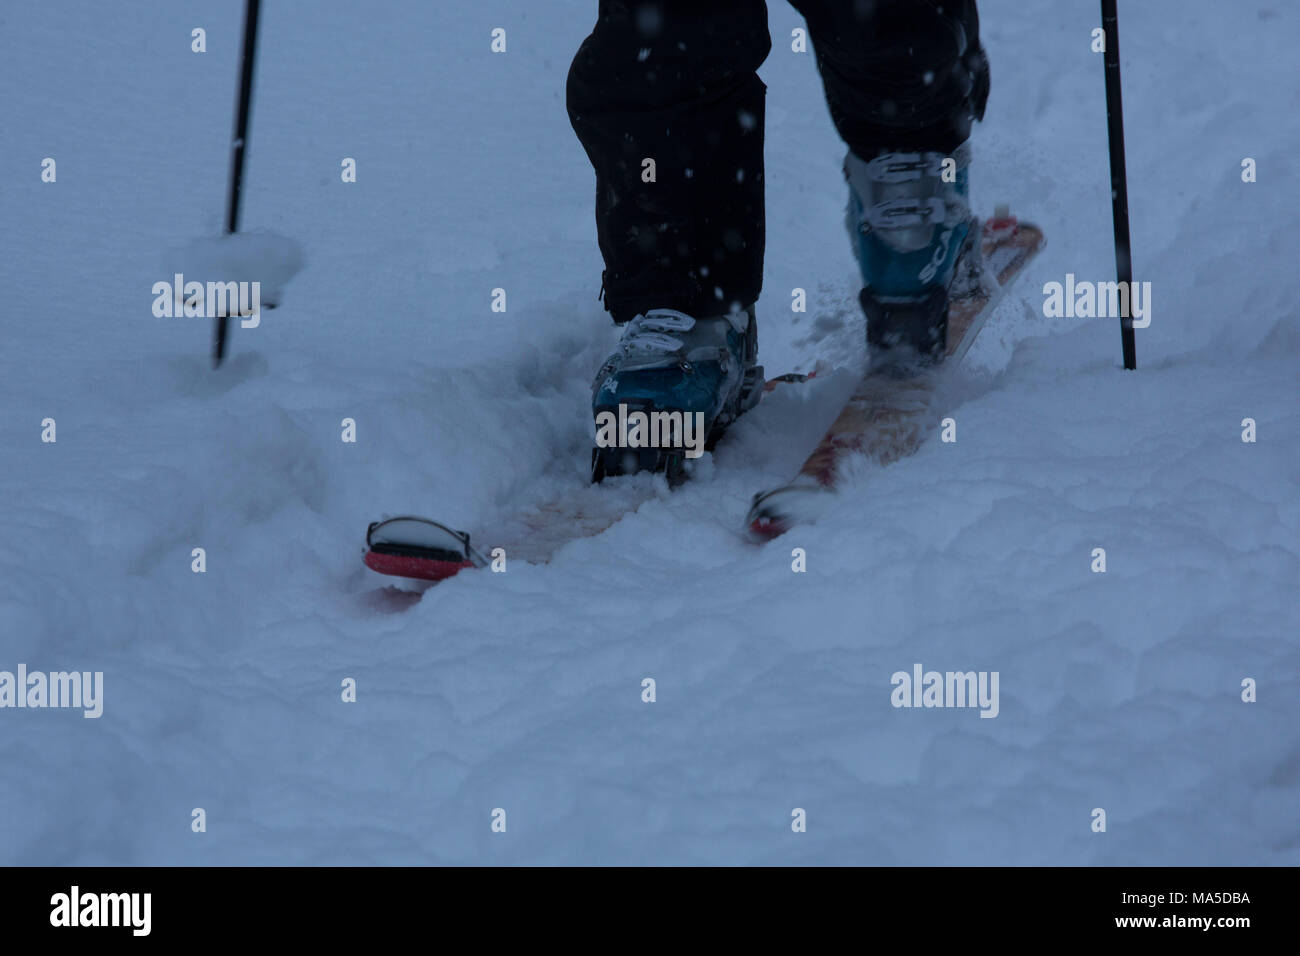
<point>522,690</point>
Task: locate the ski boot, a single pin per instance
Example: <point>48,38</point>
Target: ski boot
<point>671,388</point>
<point>917,246</point>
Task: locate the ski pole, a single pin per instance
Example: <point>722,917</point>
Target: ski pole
<point>237,150</point>
<point>1118,178</point>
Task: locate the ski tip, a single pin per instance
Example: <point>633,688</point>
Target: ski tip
<point>1002,226</point>
<point>411,547</point>
<point>775,512</point>
<point>767,528</point>
<point>413,566</point>
<point>765,520</point>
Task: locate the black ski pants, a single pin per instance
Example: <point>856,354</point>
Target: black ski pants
<point>665,98</point>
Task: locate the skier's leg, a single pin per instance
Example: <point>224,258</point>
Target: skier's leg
<point>666,101</point>
<point>904,80</point>
<point>899,74</point>
<point>674,82</point>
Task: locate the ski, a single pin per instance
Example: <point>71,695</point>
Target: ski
<point>419,548</point>
<point>884,418</point>
<point>888,414</point>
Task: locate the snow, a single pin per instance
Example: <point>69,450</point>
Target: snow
<point>267,258</point>
<point>523,691</point>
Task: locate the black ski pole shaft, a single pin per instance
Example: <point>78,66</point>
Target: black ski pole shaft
<point>237,150</point>
<point>1118,178</point>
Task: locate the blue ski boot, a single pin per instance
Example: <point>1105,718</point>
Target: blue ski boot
<point>671,388</point>
<point>917,245</point>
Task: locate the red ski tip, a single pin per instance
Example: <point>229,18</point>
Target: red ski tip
<point>1002,225</point>
<point>407,566</point>
<point>767,527</point>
